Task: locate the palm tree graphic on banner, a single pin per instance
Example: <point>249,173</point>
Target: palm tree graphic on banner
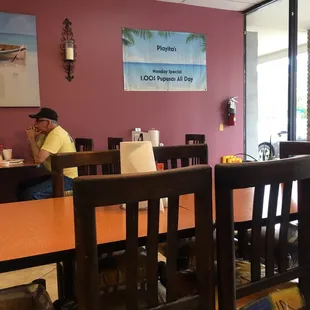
<point>128,35</point>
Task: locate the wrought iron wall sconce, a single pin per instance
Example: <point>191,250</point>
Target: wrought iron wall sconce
<point>68,49</point>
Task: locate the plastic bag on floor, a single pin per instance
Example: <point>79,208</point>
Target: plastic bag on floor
<point>26,297</point>
<point>286,298</point>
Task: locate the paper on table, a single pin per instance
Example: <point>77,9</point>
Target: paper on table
<point>138,157</point>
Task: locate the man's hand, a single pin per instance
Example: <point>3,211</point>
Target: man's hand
<point>32,133</point>
<point>38,155</point>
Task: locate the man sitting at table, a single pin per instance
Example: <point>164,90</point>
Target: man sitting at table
<point>46,137</point>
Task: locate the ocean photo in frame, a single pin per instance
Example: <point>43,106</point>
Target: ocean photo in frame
<point>19,77</point>
<point>156,60</point>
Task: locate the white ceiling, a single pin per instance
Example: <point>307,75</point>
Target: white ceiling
<point>233,5</point>
<point>275,15</point>
<point>271,24</point>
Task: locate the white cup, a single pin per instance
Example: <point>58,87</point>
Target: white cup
<point>7,154</point>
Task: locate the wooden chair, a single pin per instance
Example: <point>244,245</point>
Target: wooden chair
<point>114,143</point>
<point>293,148</point>
<point>67,160</point>
<point>171,156</point>
<point>195,138</point>
<point>79,159</point>
<point>289,149</point>
<point>84,145</point>
<point>182,155</point>
<point>106,159</point>
<point>277,173</point>
<point>90,192</point>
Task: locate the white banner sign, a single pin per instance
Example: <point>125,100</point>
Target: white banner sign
<point>164,60</point>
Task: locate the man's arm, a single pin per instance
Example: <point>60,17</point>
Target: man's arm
<point>38,154</point>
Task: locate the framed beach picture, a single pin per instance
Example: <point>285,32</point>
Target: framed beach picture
<point>19,78</point>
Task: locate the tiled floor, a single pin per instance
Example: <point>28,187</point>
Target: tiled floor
<point>47,272</point>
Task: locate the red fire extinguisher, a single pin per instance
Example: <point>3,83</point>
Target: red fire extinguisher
<point>231,111</point>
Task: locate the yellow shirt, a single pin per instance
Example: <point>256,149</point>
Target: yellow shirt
<point>58,141</point>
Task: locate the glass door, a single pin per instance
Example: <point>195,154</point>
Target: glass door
<point>266,116</point>
<point>303,69</point>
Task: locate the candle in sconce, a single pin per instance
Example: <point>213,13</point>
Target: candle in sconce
<point>69,50</point>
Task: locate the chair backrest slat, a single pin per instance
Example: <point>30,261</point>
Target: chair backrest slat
<point>114,143</point>
<point>225,237</point>
<point>132,254</point>
<point>279,175</point>
<point>204,246</point>
<point>172,240</point>
<point>285,219</point>
<point>85,145</point>
<point>195,138</point>
<point>90,192</point>
<point>152,250</point>
<point>270,229</point>
<point>85,240</point>
<point>174,163</point>
<point>256,232</point>
<point>303,235</point>
<point>184,162</point>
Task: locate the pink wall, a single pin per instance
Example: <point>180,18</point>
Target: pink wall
<point>95,105</point>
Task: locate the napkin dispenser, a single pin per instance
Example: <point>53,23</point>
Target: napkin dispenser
<point>152,135</point>
<point>140,136</point>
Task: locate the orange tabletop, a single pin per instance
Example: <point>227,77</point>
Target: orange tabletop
<point>243,203</point>
<point>39,227</point>
<point>42,227</point>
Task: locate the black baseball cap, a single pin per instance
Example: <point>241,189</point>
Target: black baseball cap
<point>46,113</point>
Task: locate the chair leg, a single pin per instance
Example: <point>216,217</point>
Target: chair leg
<point>60,281</point>
<point>66,281</point>
<point>69,279</point>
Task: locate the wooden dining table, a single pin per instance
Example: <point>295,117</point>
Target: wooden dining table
<point>23,165</point>
<point>39,232</point>
<point>12,175</point>
<point>42,231</point>
<point>243,202</point>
